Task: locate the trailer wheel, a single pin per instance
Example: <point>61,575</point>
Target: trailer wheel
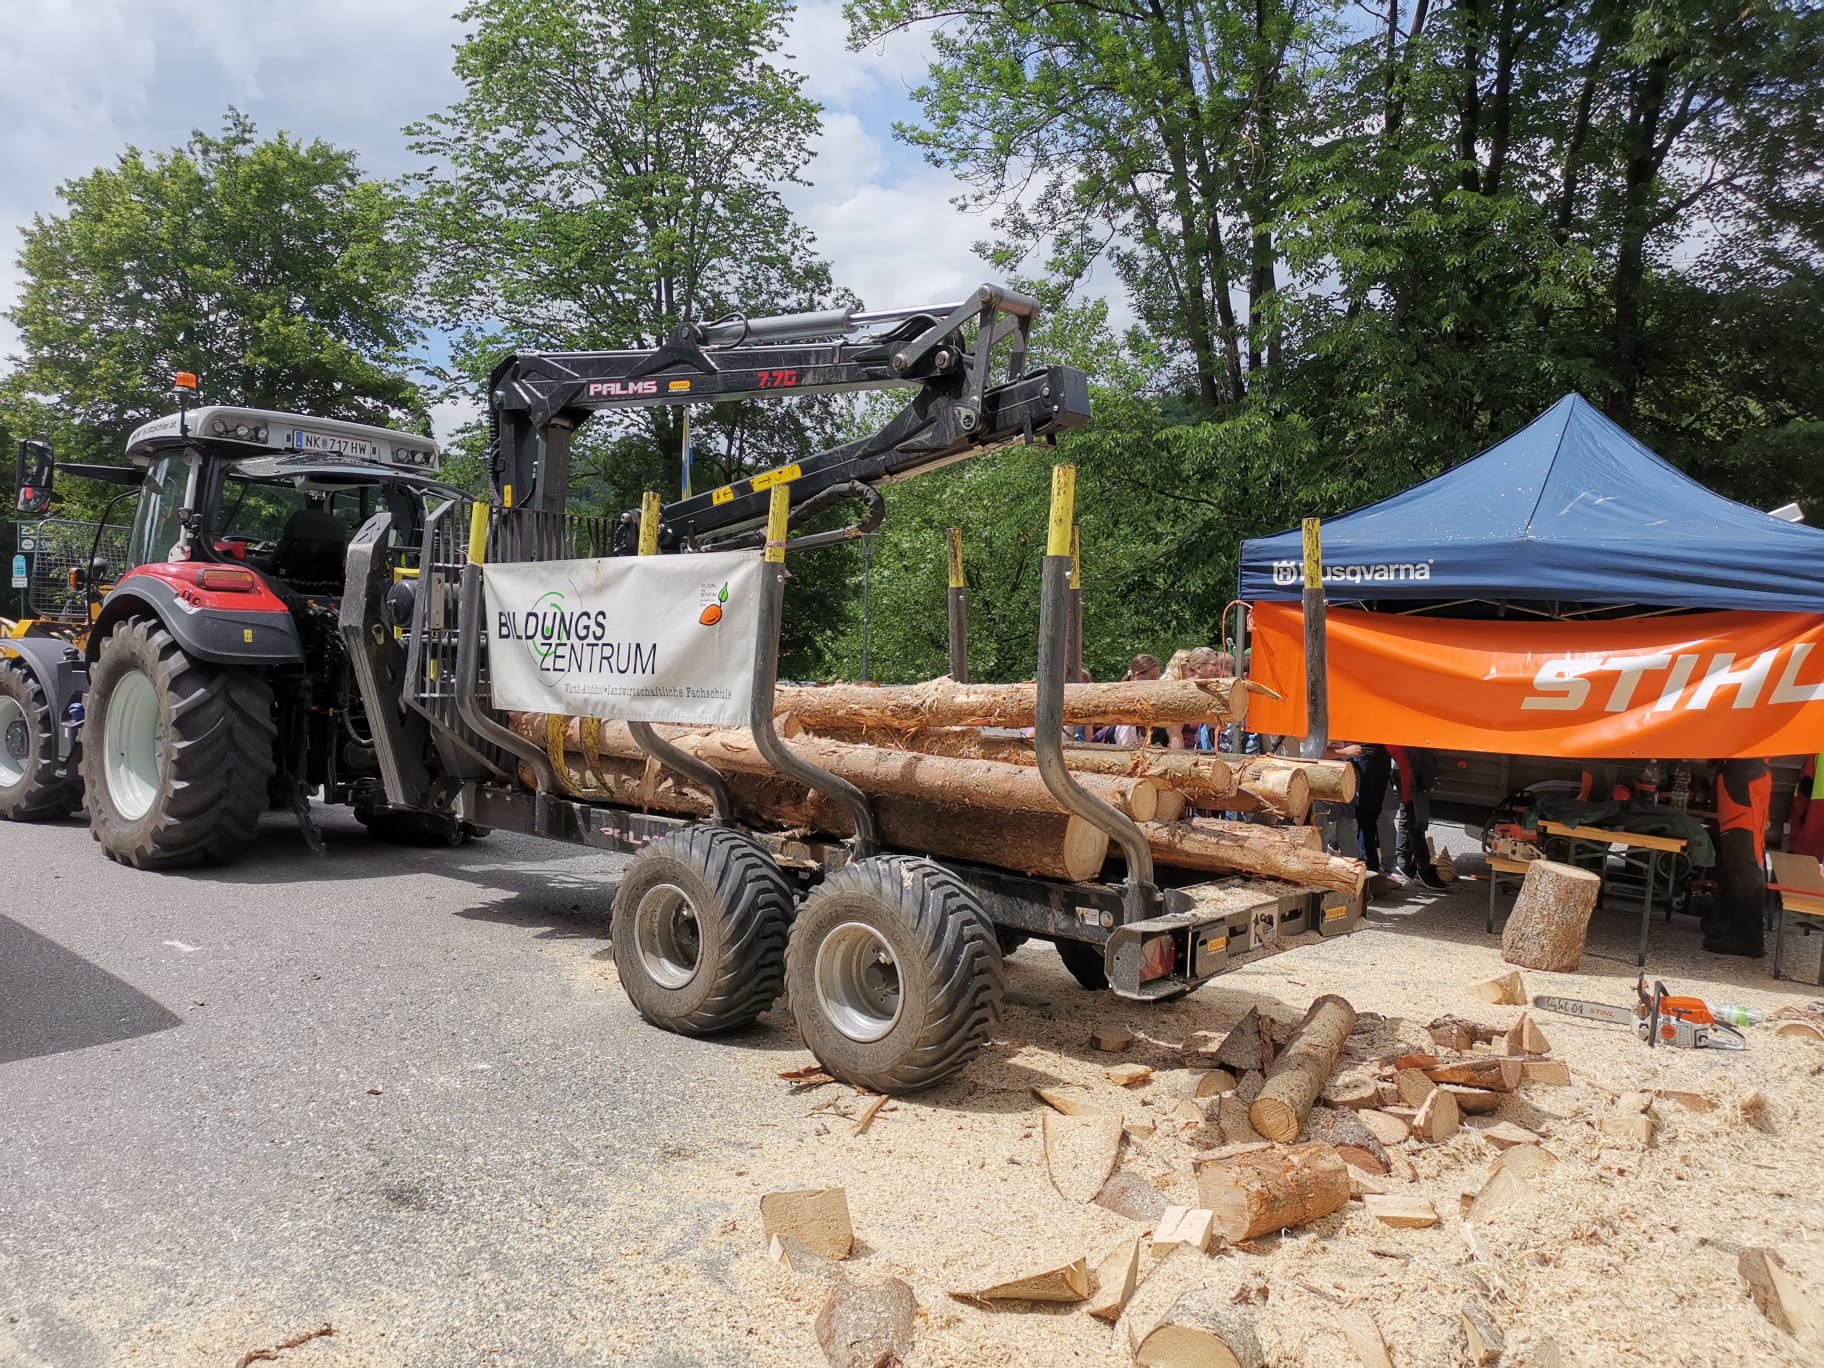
<point>1086,962</point>
<point>699,930</point>
<point>894,974</point>
<point>176,755</point>
<point>34,787</point>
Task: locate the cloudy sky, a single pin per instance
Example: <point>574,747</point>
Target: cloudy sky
<point>82,79</point>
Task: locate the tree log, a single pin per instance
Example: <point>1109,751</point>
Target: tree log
<point>945,703</point>
<point>1330,781</point>
<point>978,783</point>
<point>1302,837</point>
<point>1262,1191</point>
<point>1196,845</point>
<point>1300,1071</point>
<point>1202,1330</point>
<point>1043,844</point>
<point>1551,917</point>
<point>1283,788</point>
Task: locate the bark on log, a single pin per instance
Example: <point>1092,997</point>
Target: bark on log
<point>1300,837</point>
<point>1202,1330</point>
<point>1283,788</point>
<point>1551,917</point>
<point>1300,1070</point>
<point>1195,845</point>
<point>1262,1191</point>
<point>945,703</point>
<point>981,783</point>
<point>1046,845</point>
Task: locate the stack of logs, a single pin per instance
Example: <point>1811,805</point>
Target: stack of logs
<point>942,787</point>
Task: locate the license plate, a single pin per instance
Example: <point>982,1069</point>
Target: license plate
<point>335,444</point>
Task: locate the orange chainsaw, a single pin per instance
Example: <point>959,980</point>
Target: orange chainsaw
<point>1657,1017</point>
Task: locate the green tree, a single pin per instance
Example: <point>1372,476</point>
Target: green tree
<point>270,268</point>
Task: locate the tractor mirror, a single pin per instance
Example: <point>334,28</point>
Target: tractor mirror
<point>34,474</point>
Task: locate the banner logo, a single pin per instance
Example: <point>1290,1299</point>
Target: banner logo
<point>1413,572</point>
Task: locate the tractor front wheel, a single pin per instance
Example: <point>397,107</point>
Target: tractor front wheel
<point>34,786</point>
<point>176,753</point>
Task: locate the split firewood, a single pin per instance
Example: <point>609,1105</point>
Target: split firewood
<point>1213,1083</point>
<point>1111,1038</point>
<point>1129,1075</point>
<point>1116,1277</point>
<point>1473,1101</point>
<point>1411,1213</point>
<point>1399,1166</point>
<point>1240,1048</point>
<point>946,703</point>
<point>1509,990</point>
<point>1351,1136</point>
<point>1202,1330</point>
<point>1139,1130</point>
<point>1191,1112</point>
<point>1188,1226</point>
<point>1066,1282</point>
<point>1549,1073</point>
<point>1072,1102</point>
<point>1527,1161</point>
<point>787,1252</point>
<point>1080,1152</point>
<point>1232,1121</point>
<point>1416,1061</point>
<point>1780,1298</point>
<point>1266,1190</point>
<point>1364,1338</point>
<point>1525,1038</point>
<point>1690,1101</point>
<point>1461,1028</point>
<point>818,1218</point>
<point>1505,1135</point>
<point>1132,1197</point>
<point>863,1325</point>
<point>1485,1342</point>
<point>1501,1190</point>
<point>1437,1120</point>
<point>1302,1068</point>
<point>1551,916</point>
<point>1495,1073</point>
<point>1362,1182</point>
<point>1413,1087</point>
<point>1388,1129</point>
<point>1629,1123</point>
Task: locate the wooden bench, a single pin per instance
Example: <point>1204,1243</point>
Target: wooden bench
<point>1799,880</point>
<point>1503,870</point>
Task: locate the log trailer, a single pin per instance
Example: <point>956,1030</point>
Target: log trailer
<point>891,958</point>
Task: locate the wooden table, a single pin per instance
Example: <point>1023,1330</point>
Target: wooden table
<point>1502,870</point>
<point>1600,840</point>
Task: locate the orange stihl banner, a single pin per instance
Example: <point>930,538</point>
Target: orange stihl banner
<point>1704,686</point>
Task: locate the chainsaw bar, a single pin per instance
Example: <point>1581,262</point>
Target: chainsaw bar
<point>1589,1011</point>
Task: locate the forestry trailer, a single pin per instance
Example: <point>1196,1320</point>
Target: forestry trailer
<point>191,675</point>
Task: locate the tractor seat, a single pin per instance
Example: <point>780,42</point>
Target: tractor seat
<point>312,552</point>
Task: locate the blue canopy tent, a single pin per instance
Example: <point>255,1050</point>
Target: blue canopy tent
<point>1569,512</point>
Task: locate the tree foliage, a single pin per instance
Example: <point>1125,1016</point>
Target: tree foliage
<point>270,268</point>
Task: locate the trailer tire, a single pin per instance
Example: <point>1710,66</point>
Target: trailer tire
<point>894,974</point>
<point>34,787</point>
<point>187,745</point>
<point>699,931</point>
<point>1087,963</point>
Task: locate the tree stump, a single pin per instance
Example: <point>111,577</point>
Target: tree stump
<point>1551,917</point>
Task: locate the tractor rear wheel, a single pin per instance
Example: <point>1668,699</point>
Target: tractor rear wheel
<point>34,787</point>
<point>699,930</point>
<point>1086,962</point>
<point>177,754</point>
<point>894,974</point>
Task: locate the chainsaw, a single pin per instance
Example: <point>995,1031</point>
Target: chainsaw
<point>1657,1017</point>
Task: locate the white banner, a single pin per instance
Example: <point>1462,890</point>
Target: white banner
<point>635,638</point>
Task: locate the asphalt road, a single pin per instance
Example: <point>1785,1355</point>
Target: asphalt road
<point>394,1090</point>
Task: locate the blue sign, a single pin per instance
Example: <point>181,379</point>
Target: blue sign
<point>20,578</point>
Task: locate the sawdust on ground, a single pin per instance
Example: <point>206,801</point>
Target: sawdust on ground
<point>1618,1256</point>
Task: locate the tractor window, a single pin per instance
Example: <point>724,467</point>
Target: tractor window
<point>256,511</point>
<point>156,530</point>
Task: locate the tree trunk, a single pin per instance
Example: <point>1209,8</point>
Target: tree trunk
<point>943,703</point>
<point>1300,1070</point>
<point>1285,789</point>
<point>1328,781</point>
<point>1266,1190</point>
<point>973,783</point>
<point>1197,845</point>
<point>1551,917</point>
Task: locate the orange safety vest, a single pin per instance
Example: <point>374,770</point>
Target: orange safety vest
<point>1747,812</point>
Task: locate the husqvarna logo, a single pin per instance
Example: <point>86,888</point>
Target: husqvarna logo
<point>1412,572</point>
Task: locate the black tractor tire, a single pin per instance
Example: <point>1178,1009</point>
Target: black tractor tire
<point>209,757</point>
<point>43,789</point>
<point>894,974</point>
<point>1086,963</point>
<point>699,931</point>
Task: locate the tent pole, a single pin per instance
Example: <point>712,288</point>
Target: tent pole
<point>1317,674</point>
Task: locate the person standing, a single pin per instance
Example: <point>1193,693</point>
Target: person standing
<point>1744,791</point>
<point>1417,771</point>
<point>1806,834</point>
<point>1373,768</point>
